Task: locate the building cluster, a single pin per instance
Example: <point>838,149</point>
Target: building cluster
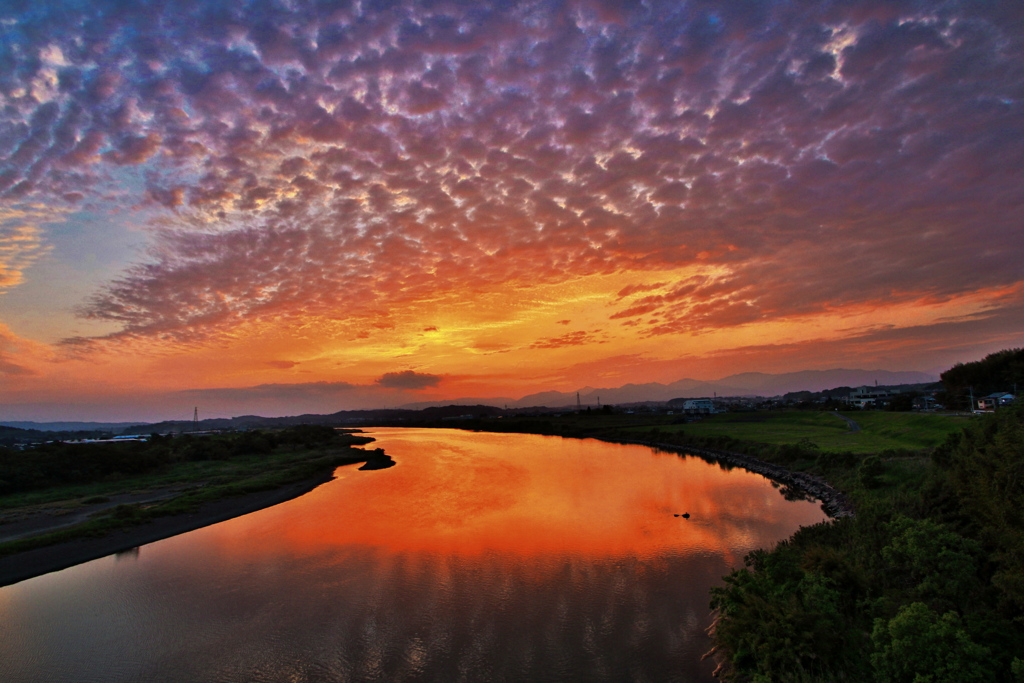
<point>993,401</point>
<point>863,398</point>
<point>871,397</point>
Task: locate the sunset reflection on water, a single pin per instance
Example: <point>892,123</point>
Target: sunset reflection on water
<point>477,557</point>
<point>471,493</point>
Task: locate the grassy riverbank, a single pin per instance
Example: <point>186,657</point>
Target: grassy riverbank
<point>879,431</point>
<point>924,583</point>
<point>828,431</point>
<point>167,478</point>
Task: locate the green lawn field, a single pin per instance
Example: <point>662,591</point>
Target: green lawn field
<point>879,430</point>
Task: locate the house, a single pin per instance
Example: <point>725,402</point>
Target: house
<point>699,406</point>
<point>993,401</point>
<point>871,397</point>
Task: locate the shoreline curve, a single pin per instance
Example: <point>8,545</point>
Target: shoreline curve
<point>29,564</point>
<point>834,502</point>
<point>38,561</point>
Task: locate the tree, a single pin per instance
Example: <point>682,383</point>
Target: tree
<point>902,402</point>
<point>999,371</point>
<point>919,646</point>
<point>985,466</point>
<point>932,562</point>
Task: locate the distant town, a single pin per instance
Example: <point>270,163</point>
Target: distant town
<point>921,397</point>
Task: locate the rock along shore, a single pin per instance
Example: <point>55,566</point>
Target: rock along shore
<point>833,501</point>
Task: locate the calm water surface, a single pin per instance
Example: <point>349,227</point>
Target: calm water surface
<point>478,557</point>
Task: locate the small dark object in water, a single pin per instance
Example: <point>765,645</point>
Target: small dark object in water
<point>378,464</point>
<point>686,515</point>
<point>378,460</point>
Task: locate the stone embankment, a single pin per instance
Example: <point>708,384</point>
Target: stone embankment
<point>833,502</point>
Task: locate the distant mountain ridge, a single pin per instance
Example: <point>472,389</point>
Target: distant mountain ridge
<point>743,384</point>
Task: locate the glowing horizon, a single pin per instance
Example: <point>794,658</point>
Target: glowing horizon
<point>369,205</point>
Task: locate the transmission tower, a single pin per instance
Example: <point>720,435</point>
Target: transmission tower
<point>195,419</point>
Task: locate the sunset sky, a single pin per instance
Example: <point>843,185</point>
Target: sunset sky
<point>305,206</point>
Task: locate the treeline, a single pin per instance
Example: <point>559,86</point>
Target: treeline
<point>1000,371</point>
<point>58,463</point>
<point>838,398</point>
<point>10,436</point>
<point>803,455</point>
<point>926,583</point>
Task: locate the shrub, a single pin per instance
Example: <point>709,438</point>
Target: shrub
<point>871,468</point>
<point>918,645</point>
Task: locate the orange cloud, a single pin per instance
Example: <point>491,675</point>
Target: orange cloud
<point>371,188</point>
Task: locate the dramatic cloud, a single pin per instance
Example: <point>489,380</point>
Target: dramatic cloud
<point>820,154</point>
<point>359,171</point>
<point>408,380</point>
<point>21,242</point>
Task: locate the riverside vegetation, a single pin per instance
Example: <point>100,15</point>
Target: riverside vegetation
<point>925,584</point>
<point>192,470</point>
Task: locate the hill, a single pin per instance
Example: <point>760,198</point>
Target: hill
<point>744,384</point>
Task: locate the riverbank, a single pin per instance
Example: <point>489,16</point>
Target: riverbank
<point>834,502</point>
<point>807,452</point>
<point>925,582</point>
<point>38,561</point>
<point>54,529</point>
<point>34,561</point>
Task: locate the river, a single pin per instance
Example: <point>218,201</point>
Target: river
<point>477,557</point>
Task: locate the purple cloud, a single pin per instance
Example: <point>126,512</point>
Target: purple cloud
<point>407,379</point>
<point>296,155</point>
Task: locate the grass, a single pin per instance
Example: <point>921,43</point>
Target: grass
<point>901,440</point>
<point>879,430</point>
<point>187,473</point>
<point>201,482</point>
<point>817,442</point>
<point>910,430</point>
